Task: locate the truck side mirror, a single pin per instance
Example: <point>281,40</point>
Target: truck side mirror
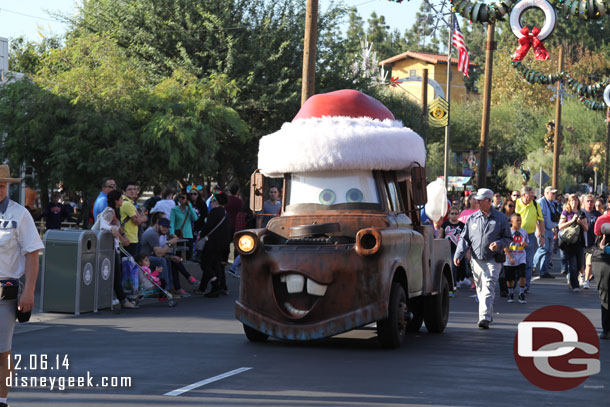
<point>257,188</point>
<point>418,179</point>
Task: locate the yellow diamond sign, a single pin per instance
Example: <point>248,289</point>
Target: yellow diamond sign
<point>438,113</point>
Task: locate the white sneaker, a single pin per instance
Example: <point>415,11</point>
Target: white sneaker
<point>586,285</point>
<point>581,280</point>
<point>115,302</point>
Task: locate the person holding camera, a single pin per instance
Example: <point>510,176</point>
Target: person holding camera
<point>572,226</point>
<point>486,234</point>
<point>19,247</point>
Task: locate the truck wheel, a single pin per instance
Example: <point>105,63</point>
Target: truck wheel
<point>391,331</point>
<point>253,335</point>
<point>436,309</point>
<point>416,308</point>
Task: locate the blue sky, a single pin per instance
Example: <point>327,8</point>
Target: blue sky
<point>29,17</point>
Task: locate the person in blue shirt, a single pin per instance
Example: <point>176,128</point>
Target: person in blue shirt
<point>486,234</point>
<point>101,202</point>
<point>551,214</point>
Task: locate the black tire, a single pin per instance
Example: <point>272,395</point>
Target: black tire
<point>436,309</point>
<point>391,331</point>
<point>253,335</point>
<point>416,308</point>
<point>172,303</point>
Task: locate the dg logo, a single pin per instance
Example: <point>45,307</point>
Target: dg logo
<point>556,348</point>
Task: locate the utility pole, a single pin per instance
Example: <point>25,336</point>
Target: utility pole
<point>607,163</point>
<point>424,103</point>
<point>557,138</point>
<point>448,128</point>
<point>309,51</point>
<point>490,46</point>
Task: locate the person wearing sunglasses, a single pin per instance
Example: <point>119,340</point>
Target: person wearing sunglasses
<point>101,202</point>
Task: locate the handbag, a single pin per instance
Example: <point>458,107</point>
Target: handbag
<point>186,216</point>
<point>570,235</point>
<point>201,242</point>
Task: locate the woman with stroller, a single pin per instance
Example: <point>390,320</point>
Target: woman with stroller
<point>109,221</point>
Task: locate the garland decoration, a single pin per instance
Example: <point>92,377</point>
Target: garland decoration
<point>585,92</point>
<point>480,12</point>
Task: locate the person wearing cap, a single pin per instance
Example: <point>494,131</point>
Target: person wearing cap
<point>551,214</point>
<point>152,246</point>
<point>19,247</point>
<point>601,270</point>
<point>533,223</point>
<point>487,234</point>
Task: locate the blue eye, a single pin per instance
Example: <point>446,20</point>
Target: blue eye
<point>327,197</point>
<point>354,195</point>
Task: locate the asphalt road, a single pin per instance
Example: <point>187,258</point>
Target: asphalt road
<point>162,349</point>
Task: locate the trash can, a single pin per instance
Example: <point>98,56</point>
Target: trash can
<point>68,272</point>
<point>104,276</point>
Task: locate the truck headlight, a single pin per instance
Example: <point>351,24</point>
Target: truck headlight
<point>246,243</point>
<point>368,241</point>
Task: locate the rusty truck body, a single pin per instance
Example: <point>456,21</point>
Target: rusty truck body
<point>347,250</point>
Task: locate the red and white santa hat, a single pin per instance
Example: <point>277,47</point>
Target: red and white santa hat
<point>341,130</point>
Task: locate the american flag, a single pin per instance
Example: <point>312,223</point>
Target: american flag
<point>458,41</point>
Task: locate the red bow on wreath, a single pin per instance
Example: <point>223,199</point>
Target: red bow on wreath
<point>530,40</point>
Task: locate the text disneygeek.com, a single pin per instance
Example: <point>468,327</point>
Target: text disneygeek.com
<point>20,364</point>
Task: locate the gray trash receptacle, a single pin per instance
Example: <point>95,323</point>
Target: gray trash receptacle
<point>104,275</point>
<point>68,272</point>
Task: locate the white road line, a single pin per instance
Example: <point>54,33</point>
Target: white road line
<point>184,389</point>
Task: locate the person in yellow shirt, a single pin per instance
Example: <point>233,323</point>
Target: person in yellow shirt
<point>131,217</point>
<point>533,223</point>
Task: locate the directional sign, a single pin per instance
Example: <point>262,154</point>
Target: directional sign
<point>545,178</point>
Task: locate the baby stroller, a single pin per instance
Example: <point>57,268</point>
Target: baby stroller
<point>149,287</point>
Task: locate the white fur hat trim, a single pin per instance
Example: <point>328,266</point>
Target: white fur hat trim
<point>340,143</point>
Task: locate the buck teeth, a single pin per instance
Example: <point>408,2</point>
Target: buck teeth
<point>295,283</point>
<point>316,289</point>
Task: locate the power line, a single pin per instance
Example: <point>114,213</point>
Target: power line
<point>28,15</point>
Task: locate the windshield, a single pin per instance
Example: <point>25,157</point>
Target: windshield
<point>333,189</point>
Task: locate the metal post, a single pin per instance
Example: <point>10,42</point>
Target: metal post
<point>490,46</point>
<point>607,163</point>
<point>424,103</point>
<point>557,138</point>
<point>448,127</point>
<point>309,51</point>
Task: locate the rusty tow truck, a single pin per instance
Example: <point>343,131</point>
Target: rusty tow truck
<point>348,248</point>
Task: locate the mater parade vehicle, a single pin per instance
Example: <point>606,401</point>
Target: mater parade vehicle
<point>348,248</point>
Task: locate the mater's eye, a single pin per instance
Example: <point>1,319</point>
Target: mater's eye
<point>354,195</point>
<point>327,197</point>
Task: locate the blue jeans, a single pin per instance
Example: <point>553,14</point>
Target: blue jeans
<point>543,255</point>
<point>573,267</point>
<point>161,262</point>
<point>530,250</point>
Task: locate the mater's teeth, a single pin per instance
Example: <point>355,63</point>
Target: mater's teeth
<point>294,311</point>
<point>314,288</point>
<point>295,283</point>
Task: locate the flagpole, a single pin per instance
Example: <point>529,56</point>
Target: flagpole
<point>447,127</point>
